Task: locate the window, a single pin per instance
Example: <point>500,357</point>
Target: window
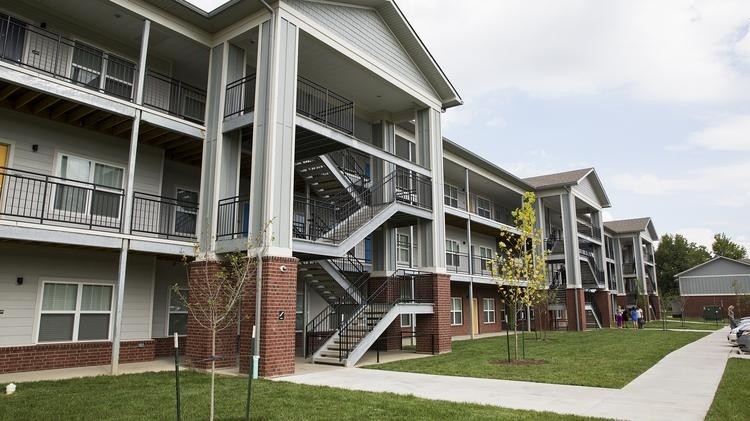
<point>451,253</point>
<point>488,308</point>
<point>485,259</point>
<point>451,196</point>
<point>457,313</point>
<point>178,312</point>
<point>368,249</point>
<point>483,207</point>
<point>186,212</point>
<point>102,200</point>
<point>75,312</point>
<point>406,320</point>
<point>403,245</point>
<point>299,320</point>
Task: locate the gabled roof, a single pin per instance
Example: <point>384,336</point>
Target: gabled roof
<point>745,262</point>
<point>560,179</point>
<point>459,150</point>
<point>634,225</point>
<point>234,10</point>
<point>568,179</point>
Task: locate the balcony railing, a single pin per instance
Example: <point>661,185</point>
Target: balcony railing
<point>174,97</point>
<point>163,216</point>
<point>240,96</point>
<point>628,268</point>
<point>232,218</point>
<point>648,256</point>
<point>322,105</point>
<point>50,200</point>
<point>589,231</point>
<point>76,62</point>
<point>459,263</point>
<point>477,205</point>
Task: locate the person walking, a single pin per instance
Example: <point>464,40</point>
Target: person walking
<point>641,320</point>
<point>730,316</point>
<point>618,317</point>
<point>634,317</point>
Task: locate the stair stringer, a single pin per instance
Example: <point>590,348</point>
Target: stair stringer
<point>589,307</point>
<point>342,179</point>
<point>340,279</point>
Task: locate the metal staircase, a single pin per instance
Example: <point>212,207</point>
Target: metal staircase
<point>333,279</point>
<point>592,318</point>
<point>591,275</point>
<point>342,333</point>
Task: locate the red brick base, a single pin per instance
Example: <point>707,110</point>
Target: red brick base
<point>51,356</point>
<point>693,305</point>
<point>164,347</point>
<point>434,330</point>
<point>603,302</point>
<point>571,295</point>
<point>277,336</point>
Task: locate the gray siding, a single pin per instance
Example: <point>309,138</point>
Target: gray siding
<point>168,274</point>
<point>36,263</point>
<point>365,29</point>
<point>586,188</point>
<point>714,285</point>
<point>720,267</point>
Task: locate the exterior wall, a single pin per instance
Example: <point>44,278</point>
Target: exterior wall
<point>433,330</point>
<point>714,285</point>
<point>573,295</point>
<point>52,356</point>
<point>36,263</point>
<point>461,289</point>
<point>168,274</point>
<point>23,131</point>
<point>693,307</point>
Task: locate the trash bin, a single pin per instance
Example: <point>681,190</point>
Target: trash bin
<point>712,313</point>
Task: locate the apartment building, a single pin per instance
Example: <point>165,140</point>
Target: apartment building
<point>138,135</point>
<point>631,268</point>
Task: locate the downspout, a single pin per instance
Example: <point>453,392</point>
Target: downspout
<point>253,371</point>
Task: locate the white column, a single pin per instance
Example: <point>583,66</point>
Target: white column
<point>126,217</point>
<point>272,180</point>
<point>432,233</point>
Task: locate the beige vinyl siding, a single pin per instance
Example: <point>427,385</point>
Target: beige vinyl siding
<point>36,263</point>
<point>168,273</point>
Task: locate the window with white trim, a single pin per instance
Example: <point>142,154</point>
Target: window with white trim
<point>483,207</point>
<point>451,253</point>
<point>75,312</point>
<point>457,311</point>
<point>488,308</point>
<point>178,312</point>
<point>485,258</point>
<point>403,244</point>
<point>451,195</point>
<point>72,196</point>
<point>406,320</point>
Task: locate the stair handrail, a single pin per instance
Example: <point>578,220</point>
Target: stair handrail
<point>343,157</point>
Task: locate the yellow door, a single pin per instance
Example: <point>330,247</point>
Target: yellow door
<point>3,162</point>
<point>475,318</point>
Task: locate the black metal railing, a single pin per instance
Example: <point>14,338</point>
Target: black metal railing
<point>459,263</point>
<point>47,199</point>
<point>65,58</point>
<point>595,269</point>
<point>322,105</point>
<point>174,97</point>
<point>79,63</point>
<point>232,218</point>
<point>352,164</point>
<point>334,221</point>
<point>588,230</point>
<point>240,96</point>
<point>163,216</point>
<point>647,256</point>
<point>628,268</point>
<point>320,328</point>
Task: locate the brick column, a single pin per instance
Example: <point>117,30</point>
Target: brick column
<point>434,329</point>
<point>201,275</point>
<point>603,301</point>
<point>277,337</point>
<point>571,296</point>
<point>655,304</point>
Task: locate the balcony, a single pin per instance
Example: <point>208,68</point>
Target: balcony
<point>477,205</point>
<point>459,263</point>
<point>50,200</point>
<point>628,268</point>
<point>589,231</point>
<point>240,97</point>
<point>78,63</point>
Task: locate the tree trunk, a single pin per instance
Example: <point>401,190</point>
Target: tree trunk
<point>213,370</point>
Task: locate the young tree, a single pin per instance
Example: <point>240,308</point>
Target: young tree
<point>216,295</point>
<point>724,246</point>
<point>520,269</point>
<point>676,254</point>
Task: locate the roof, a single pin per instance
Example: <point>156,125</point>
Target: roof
<point>624,226</point>
<point>234,10</point>
<point>560,179</point>
<point>459,150</point>
<point>745,262</point>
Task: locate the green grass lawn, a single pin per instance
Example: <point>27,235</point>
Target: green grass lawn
<point>730,401</point>
<point>687,324</point>
<point>151,396</point>
<point>604,358</point>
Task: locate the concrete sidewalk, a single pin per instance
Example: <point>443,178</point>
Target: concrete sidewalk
<point>160,364</point>
<point>680,386</point>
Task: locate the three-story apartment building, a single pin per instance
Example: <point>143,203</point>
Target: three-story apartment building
<point>141,138</point>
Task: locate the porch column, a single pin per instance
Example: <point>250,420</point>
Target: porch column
<point>432,233</point>
<point>272,175</point>
<point>434,330</point>
<point>128,208</point>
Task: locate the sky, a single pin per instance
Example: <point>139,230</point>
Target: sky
<point>653,94</point>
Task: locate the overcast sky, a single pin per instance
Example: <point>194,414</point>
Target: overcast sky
<point>654,94</point>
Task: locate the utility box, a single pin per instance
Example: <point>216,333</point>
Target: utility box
<point>712,313</point>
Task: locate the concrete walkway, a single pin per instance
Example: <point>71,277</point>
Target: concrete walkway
<point>681,386</point>
<point>161,364</point>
